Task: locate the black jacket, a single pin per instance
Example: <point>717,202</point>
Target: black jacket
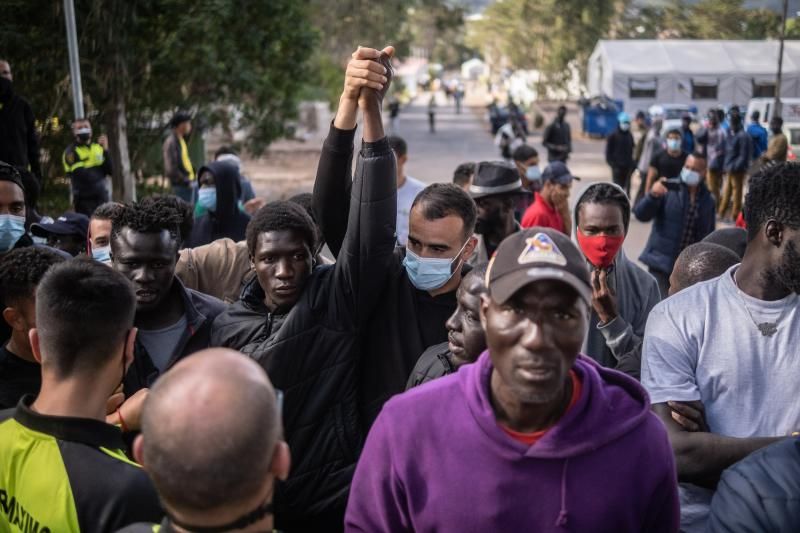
<point>557,134</point>
<point>619,149</point>
<point>760,493</point>
<point>19,145</point>
<point>312,352</point>
<point>406,320</point>
<point>668,214</point>
<point>228,221</point>
<point>201,310</point>
<point>433,363</point>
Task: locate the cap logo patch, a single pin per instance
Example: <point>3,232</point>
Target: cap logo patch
<point>541,249</point>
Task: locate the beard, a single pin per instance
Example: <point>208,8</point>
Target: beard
<point>787,274</point>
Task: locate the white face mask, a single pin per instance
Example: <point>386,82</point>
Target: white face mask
<point>624,126</point>
<point>690,177</point>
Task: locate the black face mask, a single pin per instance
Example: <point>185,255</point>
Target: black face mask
<point>84,138</point>
<point>6,89</point>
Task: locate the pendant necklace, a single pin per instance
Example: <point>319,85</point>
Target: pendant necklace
<point>767,329</point>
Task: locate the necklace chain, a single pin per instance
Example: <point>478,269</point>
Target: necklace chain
<point>767,329</point>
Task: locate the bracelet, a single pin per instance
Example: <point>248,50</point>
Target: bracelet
<point>122,421</point>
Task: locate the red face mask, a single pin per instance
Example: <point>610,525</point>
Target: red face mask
<point>600,250</point>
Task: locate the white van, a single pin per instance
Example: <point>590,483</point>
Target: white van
<point>790,115</point>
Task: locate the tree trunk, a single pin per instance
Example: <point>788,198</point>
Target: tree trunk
<point>124,185</point>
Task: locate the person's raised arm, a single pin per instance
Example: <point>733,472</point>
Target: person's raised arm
<point>368,246</point>
<point>332,186</point>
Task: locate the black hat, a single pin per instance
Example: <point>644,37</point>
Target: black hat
<point>66,224</point>
<point>495,177</point>
<point>179,118</point>
<point>537,254</point>
<point>558,172</point>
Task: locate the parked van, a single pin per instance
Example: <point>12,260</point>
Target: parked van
<point>790,115</point>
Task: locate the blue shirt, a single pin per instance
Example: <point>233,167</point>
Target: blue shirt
<point>758,133</point>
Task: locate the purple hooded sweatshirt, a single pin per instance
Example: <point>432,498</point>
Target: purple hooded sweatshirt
<point>436,460</point>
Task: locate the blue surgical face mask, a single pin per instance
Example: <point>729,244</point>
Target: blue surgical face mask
<point>428,273</point>
<point>102,254</point>
<point>12,228</point>
<point>673,145</point>
<point>207,197</point>
<point>534,173</point>
<point>625,126</point>
<point>690,177</point>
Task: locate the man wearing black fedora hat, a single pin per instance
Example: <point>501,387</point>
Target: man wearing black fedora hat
<point>495,189</point>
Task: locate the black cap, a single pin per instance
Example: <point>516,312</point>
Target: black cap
<point>10,173</point>
<point>66,224</point>
<point>495,177</point>
<point>537,254</point>
<point>179,118</point>
<point>558,172</point>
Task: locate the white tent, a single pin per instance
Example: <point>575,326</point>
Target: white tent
<point>702,73</point>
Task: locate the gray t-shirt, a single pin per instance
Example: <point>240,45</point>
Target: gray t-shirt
<point>702,344</point>
<point>161,343</point>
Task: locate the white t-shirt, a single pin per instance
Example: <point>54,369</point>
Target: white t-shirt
<point>405,197</point>
<point>702,344</point>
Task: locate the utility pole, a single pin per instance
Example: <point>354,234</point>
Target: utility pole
<point>778,104</point>
<point>74,60</point>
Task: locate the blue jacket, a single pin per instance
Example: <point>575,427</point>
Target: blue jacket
<point>760,492</point>
<point>758,136</point>
<point>668,214</point>
<point>738,148</point>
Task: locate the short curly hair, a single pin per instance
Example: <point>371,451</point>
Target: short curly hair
<point>170,201</point>
<point>22,269</point>
<point>148,217</point>
<point>280,216</point>
<point>774,195</point>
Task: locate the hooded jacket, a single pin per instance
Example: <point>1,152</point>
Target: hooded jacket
<point>618,344</point>
<point>437,460</point>
<point>668,214</point>
<point>201,310</point>
<point>228,221</point>
<point>760,492</point>
<point>312,352</point>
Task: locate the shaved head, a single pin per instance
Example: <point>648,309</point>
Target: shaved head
<point>210,427</point>
<point>701,261</point>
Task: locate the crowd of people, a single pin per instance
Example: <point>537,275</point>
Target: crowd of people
<point>382,355</point>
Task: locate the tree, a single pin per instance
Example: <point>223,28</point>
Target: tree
<point>546,35</point>
<point>142,60</point>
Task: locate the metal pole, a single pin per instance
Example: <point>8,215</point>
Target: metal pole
<point>778,104</point>
<point>74,61</point>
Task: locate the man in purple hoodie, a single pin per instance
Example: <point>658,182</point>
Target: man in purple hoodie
<point>531,437</point>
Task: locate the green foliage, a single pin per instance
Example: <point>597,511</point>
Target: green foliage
<point>706,19</point>
<point>219,58</point>
<point>544,34</point>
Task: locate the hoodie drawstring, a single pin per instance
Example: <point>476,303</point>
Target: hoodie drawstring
<point>563,515</point>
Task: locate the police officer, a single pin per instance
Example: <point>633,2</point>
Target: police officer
<point>87,164</point>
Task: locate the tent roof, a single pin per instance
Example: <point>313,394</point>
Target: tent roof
<point>697,57</point>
